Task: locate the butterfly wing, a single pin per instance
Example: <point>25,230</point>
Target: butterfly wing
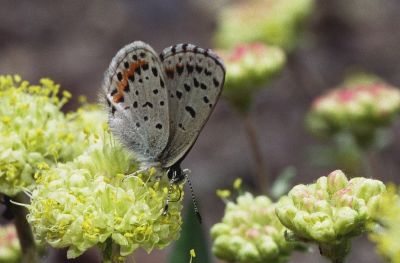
<point>137,99</point>
<point>194,79</point>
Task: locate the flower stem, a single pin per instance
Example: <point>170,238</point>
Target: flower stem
<point>111,253</point>
<point>261,179</point>
<point>336,251</point>
<point>24,231</point>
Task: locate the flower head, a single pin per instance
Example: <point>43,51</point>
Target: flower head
<point>248,67</point>
<point>86,203</point>
<point>275,22</point>
<point>250,232</point>
<point>330,211</point>
<point>386,234</point>
<point>10,250</point>
<point>360,109</point>
<point>34,133</point>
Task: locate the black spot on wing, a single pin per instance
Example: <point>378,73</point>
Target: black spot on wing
<point>196,82</point>
<point>138,70</point>
<point>145,66</point>
<point>155,71</point>
<point>187,87</point>
<point>189,68</point>
<point>119,76</point>
<point>178,94</point>
<point>208,73</point>
<point>203,86</point>
<point>113,92</point>
<point>216,82</point>
<point>179,69</point>
<point>199,68</point>
<point>148,104</point>
<point>181,126</point>
<point>191,111</point>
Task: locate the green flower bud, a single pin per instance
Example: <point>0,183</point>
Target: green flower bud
<point>359,107</point>
<point>250,232</point>
<point>248,67</point>
<point>331,218</point>
<point>269,21</point>
<point>10,250</point>
<point>86,203</point>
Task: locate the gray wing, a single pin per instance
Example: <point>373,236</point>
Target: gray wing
<point>194,79</point>
<point>137,99</point>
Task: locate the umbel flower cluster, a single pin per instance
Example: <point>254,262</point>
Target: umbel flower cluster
<point>249,66</point>
<point>10,250</point>
<point>275,22</point>
<point>33,131</point>
<point>86,202</point>
<point>386,234</point>
<point>358,108</point>
<point>330,212</point>
<point>250,232</point>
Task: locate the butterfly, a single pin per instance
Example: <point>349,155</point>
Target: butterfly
<point>158,104</point>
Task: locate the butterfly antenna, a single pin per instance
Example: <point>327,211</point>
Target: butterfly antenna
<point>196,209</point>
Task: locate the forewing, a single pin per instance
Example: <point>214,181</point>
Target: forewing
<point>194,79</point>
<point>136,96</point>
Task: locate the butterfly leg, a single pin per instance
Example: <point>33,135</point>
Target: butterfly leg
<point>171,183</point>
<point>134,174</point>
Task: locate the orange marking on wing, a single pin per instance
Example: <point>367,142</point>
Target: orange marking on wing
<point>126,74</point>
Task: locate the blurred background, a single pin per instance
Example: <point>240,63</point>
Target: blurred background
<point>72,42</point>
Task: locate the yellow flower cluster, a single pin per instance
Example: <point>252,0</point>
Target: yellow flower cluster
<point>86,203</point>
<point>34,133</point>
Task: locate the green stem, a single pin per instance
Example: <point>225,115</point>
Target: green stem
<point>24,231</point>
<point>336,251</point>
<point>369,164</point>
<point>261,179</point>
<point>111,253</point>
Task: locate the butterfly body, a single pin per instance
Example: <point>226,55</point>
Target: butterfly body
<point>158,104</point>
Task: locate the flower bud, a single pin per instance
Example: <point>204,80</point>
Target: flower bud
<point>248,67</point>
<point>250,232</point>
<point>358,107</point>
<point>337,216</point>
<point>10,250</point>
<point>270,21</point>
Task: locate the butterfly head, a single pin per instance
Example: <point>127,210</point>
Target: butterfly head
<point>175,173</point>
